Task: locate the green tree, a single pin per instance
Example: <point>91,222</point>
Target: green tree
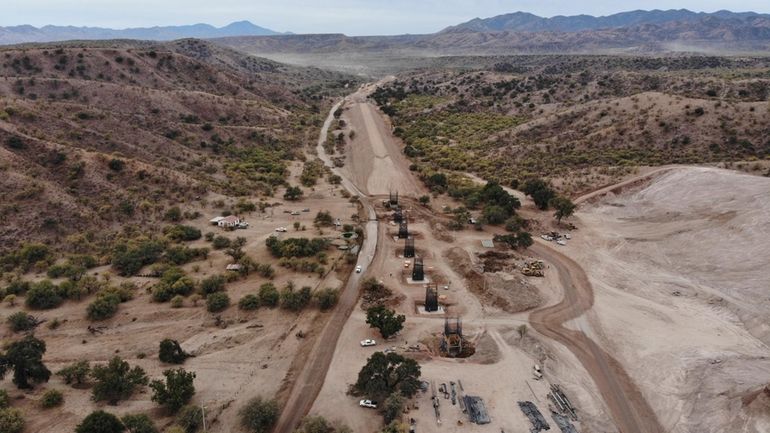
<point>258,415</point>
<point>393,407</point>
<point>385,374</point>
<point>139,423</point>
<point>293,193</point>
<point>564,207</point>
<point>295,300</point>
<point>103,307</point>
<point>213,284</point>
<point>385,320</point>
<point>116,381</point>
<point>494,214</point>
<point>76,373</point>
<point>100,422</point>
<point>249,302</point>
<point>43,295</point>
<point>540,192</point>
<point>268,295</point>
<point>25,357</point>
<point>173,214</point>
<point>424,200</point>
<point>11,420</point>
<point>327,298</point>
<point>177,390</point>
<point>217,302</point>
<point>171,352</point>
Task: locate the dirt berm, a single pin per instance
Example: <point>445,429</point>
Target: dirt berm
<point>512,295</point>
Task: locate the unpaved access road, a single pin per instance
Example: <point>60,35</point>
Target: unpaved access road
<point>308,383</point>
<point>627,406</point>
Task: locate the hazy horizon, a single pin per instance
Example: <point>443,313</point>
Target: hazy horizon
<point>352,17</point>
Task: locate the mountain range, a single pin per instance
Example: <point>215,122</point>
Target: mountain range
<point>28,33</point>
<point>527,22</point>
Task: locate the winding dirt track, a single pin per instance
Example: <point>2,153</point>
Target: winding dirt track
<point>626,404</point>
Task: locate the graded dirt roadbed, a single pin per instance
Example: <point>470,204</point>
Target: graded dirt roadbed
<point>626,404</point>
<point>310,380</point>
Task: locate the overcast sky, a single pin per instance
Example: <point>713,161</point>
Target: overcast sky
<point>353,17</point>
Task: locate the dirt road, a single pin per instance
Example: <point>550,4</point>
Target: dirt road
<point>627,406</point>
<point>310,380</point>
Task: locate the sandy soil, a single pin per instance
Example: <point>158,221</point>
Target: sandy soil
<point>257,353</point>
<point>679,269</point>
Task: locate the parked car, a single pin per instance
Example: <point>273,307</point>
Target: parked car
<point>359,269</point>
<point>281,229</point>
<point>368,342</point>
<point>243,225</point>
<point>307,209</point>
<point>561,242</point>
<point>368,403</point>
<point>295,212</point>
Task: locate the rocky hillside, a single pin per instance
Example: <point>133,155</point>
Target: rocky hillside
<point>98,136</point>
<point>580,120</point>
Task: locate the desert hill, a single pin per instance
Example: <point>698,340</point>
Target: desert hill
<point>98,135</point>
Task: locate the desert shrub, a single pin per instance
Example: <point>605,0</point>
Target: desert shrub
<point>116,164</point>
<point>43,295</point>
<point>5,401</point>
<point>258,415</point>
<point>220,242</point>
<point>393,407</point>
<point>293,193</point>
<point>11,420</point>
<point>17,287</point>
<point>190,418</point>
<point>176,391</point>
<point>180,254</point>
<point>181,233</point>
<point>177,301</point>
<point>327,298</point>
<point>52,398</point>
<point>323,219</point>
<point>173,214</point>
<point>103,307</point>
<point>217,302</point>
<point>129,258</point>
<point>139,423</point>
<point>116,381</point>
<point>296,247</point>
<point>21,321</point>
<point>100,422</point>
<point>171,352</point>
<point>268,295</point>
<point>295,300</point>
<point>212,284</point>
<point>249,302</point>
<point>76,373</point>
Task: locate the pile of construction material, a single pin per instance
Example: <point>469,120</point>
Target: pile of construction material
<point>564,423</point>
<point>533,268</point>
<point>535,417</point>
<point>561,402</point>
<point>477,412</point>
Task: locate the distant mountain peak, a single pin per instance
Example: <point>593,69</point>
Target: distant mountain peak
<point>51,33</point>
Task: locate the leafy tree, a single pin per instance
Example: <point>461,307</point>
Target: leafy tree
<point>103,307</point>
<point>395,427</point>
<point>100,422</point>
<point>217,302</point>
<point>129,258</point>
<point>11,420</point>
<point>516,240</point>
<point>385,320</point>
<point>258,415</point>
<point>295,300</point>
<point>494,214</point>
<point>177,390</point>
<point>540,192</point>
<point>393,407</point>
<point>25,357</point>
<point>293,193</point>
<point>323,219</point>
<point>220,242</point>
<point>385,374</point>
<point>515,223</point>
<point>249,302</point>
<point>190,418</point>
<point>116,381</point>
<point>76,373</point>
<point>139,423</point>
<point>236,248</point>
<point>424,200</point>
<point>171,352</point>
<point>564,207</point>
<point>319,424</point>
<point>43,295</point>
<point>212,284</point>
<point>327,298</point>
<point>181,232</point>
<point>21,321</point>
<point>268,295</point>
<point>52,398</point>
